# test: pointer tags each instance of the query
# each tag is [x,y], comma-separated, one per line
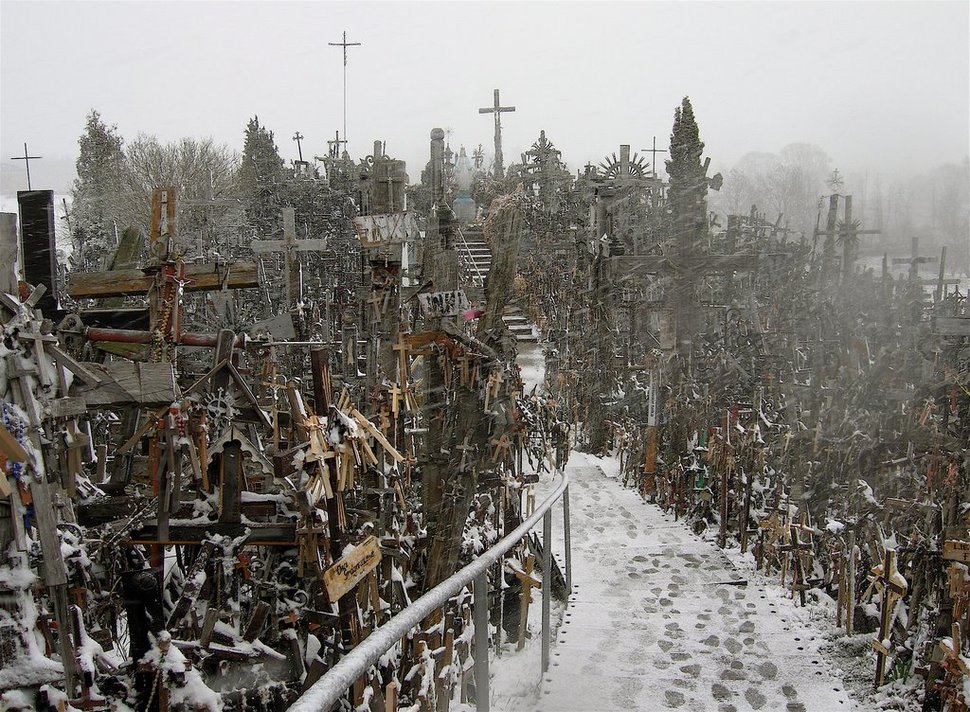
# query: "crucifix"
[334,145]
[653,155]
[497,109]
[299,137]
[344,44]
[26,158]
[290,246]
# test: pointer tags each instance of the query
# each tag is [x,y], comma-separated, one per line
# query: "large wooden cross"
[290,246]
[653,155]
[497,109]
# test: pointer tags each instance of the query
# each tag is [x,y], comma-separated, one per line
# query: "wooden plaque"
[348,571]
[957,551]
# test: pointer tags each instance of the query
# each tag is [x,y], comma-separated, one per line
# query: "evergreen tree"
[688,180]
[261,178]
[687,197]
[96,203]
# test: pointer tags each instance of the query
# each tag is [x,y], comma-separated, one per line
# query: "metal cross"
[497,109]
[345,44]
[26,159]
[299,137]
[653,155]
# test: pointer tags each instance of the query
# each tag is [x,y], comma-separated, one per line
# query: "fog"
[881,88]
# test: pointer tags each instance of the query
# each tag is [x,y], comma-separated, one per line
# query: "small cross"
[653,155]
[335,145]
[26,159]
[299,137]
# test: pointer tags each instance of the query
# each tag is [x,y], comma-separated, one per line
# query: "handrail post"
[546,584]
[481,642]
[567,542]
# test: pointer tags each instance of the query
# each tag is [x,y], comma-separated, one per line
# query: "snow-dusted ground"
[661,619]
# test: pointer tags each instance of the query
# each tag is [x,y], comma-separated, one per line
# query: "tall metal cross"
[26,158]
[345,44]
[497,109]
[299,137]
[653,155]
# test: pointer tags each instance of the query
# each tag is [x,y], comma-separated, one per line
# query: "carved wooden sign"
[957,551]
[443,303]
[348,571]
[381,230]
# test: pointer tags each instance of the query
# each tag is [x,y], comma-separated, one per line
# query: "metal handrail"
[468,252]
[326,691]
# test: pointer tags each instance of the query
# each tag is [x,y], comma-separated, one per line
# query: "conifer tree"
[688,179]
[261,178]
[96,204]
[687,197]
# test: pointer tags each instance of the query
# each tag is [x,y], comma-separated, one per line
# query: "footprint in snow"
[755,698]
[679,656]
[746,627]
[720,692]
[693,670]
[712,641]
[674,698]
[788,691]
[733,646]
[767,670]
[664,645]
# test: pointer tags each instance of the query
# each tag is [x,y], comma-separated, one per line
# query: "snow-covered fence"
[325,692]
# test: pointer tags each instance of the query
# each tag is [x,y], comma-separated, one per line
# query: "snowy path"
[660,619]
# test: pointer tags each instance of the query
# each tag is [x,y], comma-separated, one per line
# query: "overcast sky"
[878,85]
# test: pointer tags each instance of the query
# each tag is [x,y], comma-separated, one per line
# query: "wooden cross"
[26,158]
[290,246]
[653,155]
[335,144]
[893,586]
[497,109]
[524,572]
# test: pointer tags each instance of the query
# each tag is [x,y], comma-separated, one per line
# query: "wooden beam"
[130,282]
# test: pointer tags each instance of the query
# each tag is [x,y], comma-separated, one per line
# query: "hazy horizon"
[883,87]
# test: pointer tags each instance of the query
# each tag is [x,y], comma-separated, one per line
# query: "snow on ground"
[533,364]
[661,619]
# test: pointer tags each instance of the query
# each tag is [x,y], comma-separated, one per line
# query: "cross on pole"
[653,155]
[345,44]
[497,109]
[26,159]
[299,137]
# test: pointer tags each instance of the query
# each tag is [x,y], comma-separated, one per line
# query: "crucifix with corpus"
[290,247]
[498,110]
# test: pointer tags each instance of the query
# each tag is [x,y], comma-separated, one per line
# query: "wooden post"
[850,583]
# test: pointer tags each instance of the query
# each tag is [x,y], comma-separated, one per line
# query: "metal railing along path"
[326,691]
[472,258]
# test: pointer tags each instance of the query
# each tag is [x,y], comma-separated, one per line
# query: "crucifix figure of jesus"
[497,109]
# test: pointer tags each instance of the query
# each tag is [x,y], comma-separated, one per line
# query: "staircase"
[475,258]
[519,325]
[474,255]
